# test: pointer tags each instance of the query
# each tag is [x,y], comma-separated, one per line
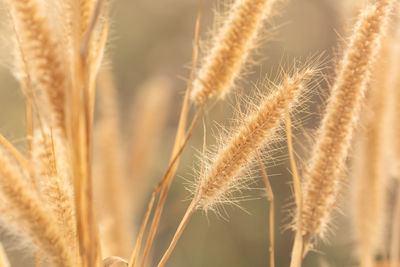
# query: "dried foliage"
[76,194]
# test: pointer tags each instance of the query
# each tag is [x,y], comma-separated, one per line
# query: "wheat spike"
[42,54]
[230,48]
[323,175]
[52,172]
[28,214]
[222,177]
[255,132]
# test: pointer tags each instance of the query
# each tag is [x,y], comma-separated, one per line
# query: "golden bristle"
[255,131]
[52,173]
[28,214]
[323,175]
[230,49]
[43,56]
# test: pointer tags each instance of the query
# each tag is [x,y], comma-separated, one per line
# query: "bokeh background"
[154,38]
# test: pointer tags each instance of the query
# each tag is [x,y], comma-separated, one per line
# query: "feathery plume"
[255,131]
[323,175]
[230,49]
[28,214]
[52,173]
[241,147]
[43,57]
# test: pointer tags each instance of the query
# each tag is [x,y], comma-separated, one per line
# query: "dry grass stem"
[270,196]
[3,258]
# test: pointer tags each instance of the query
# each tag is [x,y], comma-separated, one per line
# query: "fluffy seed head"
[323,175]
[256,130]
[230,49]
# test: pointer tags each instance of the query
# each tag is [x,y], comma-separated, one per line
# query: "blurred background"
[151,45]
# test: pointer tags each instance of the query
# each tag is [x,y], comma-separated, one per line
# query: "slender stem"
[297,252]
[178,146]
[295,173]
[3,258]
[394,245]
[270,195]
[24,163]
[135,253]
[178,233]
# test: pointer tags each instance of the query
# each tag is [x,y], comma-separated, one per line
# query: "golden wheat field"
[140,133]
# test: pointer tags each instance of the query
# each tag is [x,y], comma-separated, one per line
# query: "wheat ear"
[323,175]
[52,172]
[221,178]
[29,215]
[230,48]
[231,159]
[43,56]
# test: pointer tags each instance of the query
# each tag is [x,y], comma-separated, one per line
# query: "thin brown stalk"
[270,195]
[179,143]
[298,247]
[161,186]
[79,131]
[178,234]
[323,175]
[230,48]
[395,231]
[136,250]
[3,258]
[15,153]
